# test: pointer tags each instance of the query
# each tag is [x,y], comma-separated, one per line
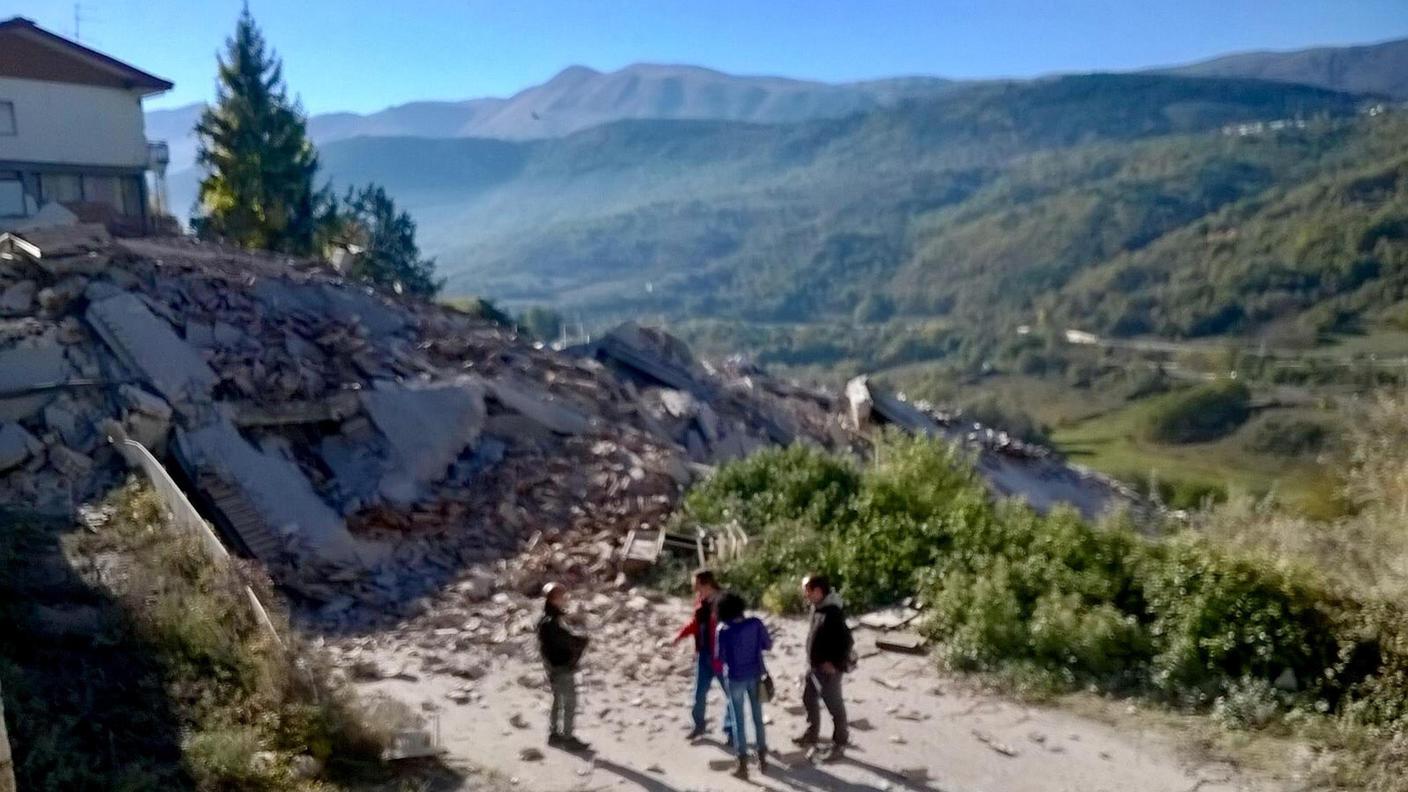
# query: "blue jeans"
[738,690]
[703,680]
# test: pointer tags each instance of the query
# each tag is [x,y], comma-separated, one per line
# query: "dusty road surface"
[912,728]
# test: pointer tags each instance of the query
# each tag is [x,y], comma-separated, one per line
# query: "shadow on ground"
[86,704]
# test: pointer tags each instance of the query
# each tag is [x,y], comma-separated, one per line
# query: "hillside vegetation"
[129,662]
[802,221]
[1264,624]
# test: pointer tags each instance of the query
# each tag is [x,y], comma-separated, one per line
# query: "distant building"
[71,130]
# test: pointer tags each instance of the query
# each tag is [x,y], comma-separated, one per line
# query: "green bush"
[1051,597]
[1199,414]
[1288,437]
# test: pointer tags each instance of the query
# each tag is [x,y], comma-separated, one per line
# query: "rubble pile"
[365,448]
[372,450]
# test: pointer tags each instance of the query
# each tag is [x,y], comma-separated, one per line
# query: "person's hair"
[705,577]
[731,607]
[552,590]
[821,582]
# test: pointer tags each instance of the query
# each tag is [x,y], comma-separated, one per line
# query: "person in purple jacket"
[742,639]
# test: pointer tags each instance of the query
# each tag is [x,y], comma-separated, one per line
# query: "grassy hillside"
[130,662]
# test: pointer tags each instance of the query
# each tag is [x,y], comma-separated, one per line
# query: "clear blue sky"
[363,55]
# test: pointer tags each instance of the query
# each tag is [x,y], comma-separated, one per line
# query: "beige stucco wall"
[73,124]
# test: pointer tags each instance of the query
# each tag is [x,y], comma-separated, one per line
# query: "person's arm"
[687,630]
[722,646]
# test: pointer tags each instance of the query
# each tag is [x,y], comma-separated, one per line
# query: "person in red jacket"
[703,627]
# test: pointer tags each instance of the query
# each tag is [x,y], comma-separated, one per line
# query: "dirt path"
[913,729]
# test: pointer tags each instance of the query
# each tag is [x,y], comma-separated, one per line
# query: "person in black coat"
[829,652]
[562,653]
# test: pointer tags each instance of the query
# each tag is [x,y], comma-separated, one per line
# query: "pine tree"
[387,238]
[258,191]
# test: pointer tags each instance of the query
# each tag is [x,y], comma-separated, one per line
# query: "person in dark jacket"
[829,646]
[741,643]
[702,627]
[562,653]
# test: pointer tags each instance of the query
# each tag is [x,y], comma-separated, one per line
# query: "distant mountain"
[578,98]
[971,205]
[1374,68]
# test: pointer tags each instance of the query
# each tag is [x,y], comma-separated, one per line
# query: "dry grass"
[1366,552]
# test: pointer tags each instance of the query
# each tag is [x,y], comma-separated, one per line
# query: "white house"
[71,129]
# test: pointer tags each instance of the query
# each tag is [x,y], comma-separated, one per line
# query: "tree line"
[260,190]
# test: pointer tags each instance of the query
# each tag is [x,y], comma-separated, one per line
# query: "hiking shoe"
[575,745]
[836,754]
[762,760]
[741,771]
[695,734]
[805,740]
[554,740]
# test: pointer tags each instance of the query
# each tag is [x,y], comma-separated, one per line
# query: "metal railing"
[182,514]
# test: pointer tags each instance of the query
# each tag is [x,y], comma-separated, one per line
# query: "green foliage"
[389,257]
[480,308]
[1053,598]
[180,690]
[258,188]
[542,323]
[1288,437]
[992,411]
[1199,414]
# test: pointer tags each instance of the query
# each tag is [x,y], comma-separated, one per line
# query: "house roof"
[32,52]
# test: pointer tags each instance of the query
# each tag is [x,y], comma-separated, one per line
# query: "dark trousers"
[561,718]
[818,687]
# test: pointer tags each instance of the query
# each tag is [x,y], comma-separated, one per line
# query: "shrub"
[1052,598]
[1013,420]
[1288,437]
[1199,414]
[1249,703]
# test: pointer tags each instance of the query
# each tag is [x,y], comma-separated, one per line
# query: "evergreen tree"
[258,191]
[387,239]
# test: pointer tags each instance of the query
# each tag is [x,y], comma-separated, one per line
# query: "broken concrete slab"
[18,299]
[903,642]
[336,407]
[30,376]
[656,357]
[889,408]
[16,445]
[150,347]
[539,406]
[427,426]
[275,488]
[62,250]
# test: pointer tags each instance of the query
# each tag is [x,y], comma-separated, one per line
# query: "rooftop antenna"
[77,21]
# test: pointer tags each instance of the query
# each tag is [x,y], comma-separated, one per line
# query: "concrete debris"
[276,489]
[18,298]
[907,643]
[16,446]
[539,408]
[392,461]
[427,427]
[149,347]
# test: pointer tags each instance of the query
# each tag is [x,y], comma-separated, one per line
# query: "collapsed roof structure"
[366,447]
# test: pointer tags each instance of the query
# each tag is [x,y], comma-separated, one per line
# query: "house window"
[102,189]
[12,203]
[7,119]
[62,187]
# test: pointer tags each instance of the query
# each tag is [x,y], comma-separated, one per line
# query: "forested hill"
[1094,197]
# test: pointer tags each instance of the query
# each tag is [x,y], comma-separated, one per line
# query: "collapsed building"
[368,448]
